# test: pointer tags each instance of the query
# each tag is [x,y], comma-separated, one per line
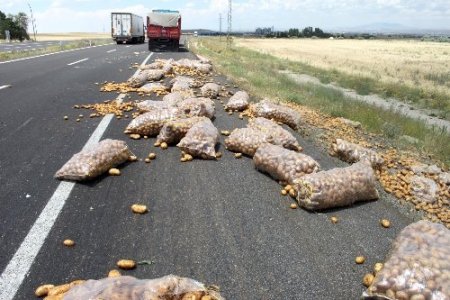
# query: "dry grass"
[422,68]
[70,36]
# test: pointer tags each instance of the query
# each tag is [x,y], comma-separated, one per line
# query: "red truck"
[164,28]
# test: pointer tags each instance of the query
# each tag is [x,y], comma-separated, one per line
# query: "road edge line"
[20,264]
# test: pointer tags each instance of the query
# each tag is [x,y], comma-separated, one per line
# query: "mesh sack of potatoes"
[148,105]
[280,135]
[283,164]
[238,102]
[173,131]
[169,287]
[336,187]
[203,60]
[153,75]
[181,78]
[173,98]
[200,140]
[152,66]
[152,87]
[203,67]
[138,80]
[278,113]
[210,90]
[247,140]
[94,161]
[200,107]
[151,122]
[418,266]
[351,153]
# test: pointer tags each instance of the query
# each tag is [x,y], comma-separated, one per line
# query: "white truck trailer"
[127,28]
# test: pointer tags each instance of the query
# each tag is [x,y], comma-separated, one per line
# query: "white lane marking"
[112,50]
[52,53]
[18,267]
[128,46]
[78,61]
[4,86]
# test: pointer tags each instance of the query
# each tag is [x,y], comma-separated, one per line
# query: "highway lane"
[33,134]
[220,222]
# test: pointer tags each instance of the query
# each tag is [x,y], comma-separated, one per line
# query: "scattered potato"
[126,264]
[80,116]
[139,208]
[368,279]
[114,172]
[292,193]
[377,267]
[152,155]
[69,243]
[132,158]
[78,120]
[183,159]
[114,273]
[360,260]
[157,144]
[66,118]
[294,205]
[59,289]
[135,136]
[164,145]
[147,160]
[225,132]
[385,223]
[284,192]
[288,187]
[218,154]
[43,290]
[334,219]
[238,155]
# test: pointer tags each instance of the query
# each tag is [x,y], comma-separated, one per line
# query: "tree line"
[17,25]
[293,32]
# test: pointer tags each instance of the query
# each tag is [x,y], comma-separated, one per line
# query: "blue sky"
[94,16]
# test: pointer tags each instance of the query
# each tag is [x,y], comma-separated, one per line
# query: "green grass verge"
[4,56]
[259,74]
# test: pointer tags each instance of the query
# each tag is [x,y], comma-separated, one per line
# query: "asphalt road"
[220,222]
[28,46]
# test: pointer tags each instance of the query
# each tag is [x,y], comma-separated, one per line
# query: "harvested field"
[412,70]
[71,36]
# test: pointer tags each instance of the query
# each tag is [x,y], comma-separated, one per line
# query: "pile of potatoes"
[238,102]
[336,187]
[247,140]
[283,164]
[418,267]
[95,161]
[173,131]
[169,287]
[210,90]
[351,153]
[201,107]
[200,140]
[278,113]
[280,135]
[150,123]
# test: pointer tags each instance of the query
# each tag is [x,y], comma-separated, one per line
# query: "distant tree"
[307,31]
[16,24]
[294,32]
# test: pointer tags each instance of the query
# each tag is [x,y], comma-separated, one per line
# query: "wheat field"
[70,36]
[414,63]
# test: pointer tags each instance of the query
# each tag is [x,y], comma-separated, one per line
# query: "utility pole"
[220,24]
[229,38]
[33,22]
